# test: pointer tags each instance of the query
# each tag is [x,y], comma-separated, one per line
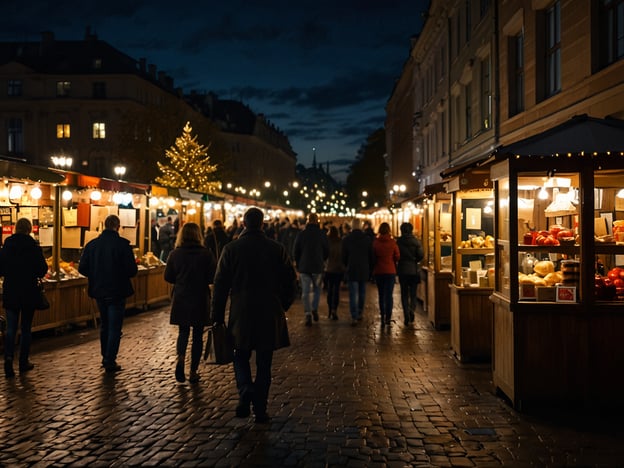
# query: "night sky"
[320,71]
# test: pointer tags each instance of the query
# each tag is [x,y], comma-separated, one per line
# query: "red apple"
[618,283]
[614,273]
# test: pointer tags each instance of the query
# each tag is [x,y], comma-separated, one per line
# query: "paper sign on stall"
[70,238]
[129,233]
[127,217]
[70,217]
[89,236]
[29,213]
[473,218]
[45,236]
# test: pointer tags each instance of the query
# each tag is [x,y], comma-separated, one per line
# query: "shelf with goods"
[438,254]
[558,317]
[473,263]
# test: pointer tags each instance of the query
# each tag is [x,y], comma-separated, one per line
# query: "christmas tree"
[190,165]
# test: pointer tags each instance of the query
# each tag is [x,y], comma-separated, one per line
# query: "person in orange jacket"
[386,255]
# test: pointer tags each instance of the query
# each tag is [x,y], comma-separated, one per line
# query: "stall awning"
[580,134]
[22,171]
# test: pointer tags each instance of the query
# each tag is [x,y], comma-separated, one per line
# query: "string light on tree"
[190,165]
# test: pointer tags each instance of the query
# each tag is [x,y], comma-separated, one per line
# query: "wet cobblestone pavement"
[342,395]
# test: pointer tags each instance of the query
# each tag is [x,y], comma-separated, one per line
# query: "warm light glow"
[96,195]
[620,194]
[120,171]
[15,192]
[35,193]
[61,161]
[117,198]
[542,194]
[66,195]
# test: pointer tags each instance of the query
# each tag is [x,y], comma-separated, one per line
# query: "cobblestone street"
[342,395]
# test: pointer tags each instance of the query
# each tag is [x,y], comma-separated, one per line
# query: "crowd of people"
[257,267]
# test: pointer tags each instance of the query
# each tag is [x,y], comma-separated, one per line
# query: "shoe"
[315,315]
[334,315]
[262,418]
[8,368]
[242,410]
[179,369]
[194,377]
[388,322]
[27,366]
[114,367]
[308,321]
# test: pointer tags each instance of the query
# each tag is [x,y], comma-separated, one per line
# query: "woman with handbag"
[190,268]
[22,264]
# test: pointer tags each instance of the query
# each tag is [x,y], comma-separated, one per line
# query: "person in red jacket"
[386,255]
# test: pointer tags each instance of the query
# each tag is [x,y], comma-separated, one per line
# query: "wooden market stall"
[437,246]
[558,320]
[473,260]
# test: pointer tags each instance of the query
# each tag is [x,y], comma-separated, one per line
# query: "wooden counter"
[471,323]
[438,303]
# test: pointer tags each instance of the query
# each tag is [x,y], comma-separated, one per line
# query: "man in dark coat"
[216,238]
[258,276]
[109,264]
[21,263]
[166,239]
[408,269]
[357,255]
[311,249]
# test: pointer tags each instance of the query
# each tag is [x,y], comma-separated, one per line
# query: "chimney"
[152,70]
[142,64]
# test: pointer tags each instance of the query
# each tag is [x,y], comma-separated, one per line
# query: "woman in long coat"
[21,263]
[190,268]
[386,254]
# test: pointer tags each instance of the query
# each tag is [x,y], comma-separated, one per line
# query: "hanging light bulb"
[15,192]
[117,198]
[620,194]
[35,193]
[542,194]
[96,195]
[67,195]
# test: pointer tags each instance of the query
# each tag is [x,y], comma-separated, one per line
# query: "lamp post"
[62,162]
[120,171]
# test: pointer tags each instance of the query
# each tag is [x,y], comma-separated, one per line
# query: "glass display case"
[558,296]
[437,242]
[473,264]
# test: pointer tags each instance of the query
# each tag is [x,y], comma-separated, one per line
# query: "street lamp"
[62,162]
[120,171]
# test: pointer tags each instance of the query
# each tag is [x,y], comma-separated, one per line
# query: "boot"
[8,368]
[179,369]
[194,376]
[333,314]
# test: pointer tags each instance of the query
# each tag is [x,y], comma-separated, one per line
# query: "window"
[553,50]
[516,74]
[611,30]
[62,130]
[14,88]
[97,63]
[99,90]
[468,111]
[483,7]
[63,88]
[15,136]
[99,130]
[486,98]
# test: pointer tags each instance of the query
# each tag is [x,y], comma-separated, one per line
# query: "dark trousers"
[196,347]
[409,285]
[13,319]
[249,390]
[112,312]
[385,287]
[333,289]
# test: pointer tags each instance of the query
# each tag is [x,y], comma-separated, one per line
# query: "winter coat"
[311,249]
[357,255]
[258,276]
[21,263]
[216,240]
[411,252]
[386,254]
[109,264]
[166,236]
[334,261]
[191,269]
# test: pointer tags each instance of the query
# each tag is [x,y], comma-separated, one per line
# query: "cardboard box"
[566,293]
[527,292]
[546,293]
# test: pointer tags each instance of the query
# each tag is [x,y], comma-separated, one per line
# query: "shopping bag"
[219,346]
[41,301]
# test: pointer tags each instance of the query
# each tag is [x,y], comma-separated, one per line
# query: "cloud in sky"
[322,71]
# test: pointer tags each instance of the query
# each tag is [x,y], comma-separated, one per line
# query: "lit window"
[62,130]
[15,140]
[63,88]
[486,99]
[99,130]
[97,63]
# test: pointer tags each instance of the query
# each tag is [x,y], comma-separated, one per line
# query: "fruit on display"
[149,259]
[477,242]
[543,267]
[546,238]
[604,289]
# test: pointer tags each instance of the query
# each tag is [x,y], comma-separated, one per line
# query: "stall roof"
[22,171]
[579,134]
[454,170]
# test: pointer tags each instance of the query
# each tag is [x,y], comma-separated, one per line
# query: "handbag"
[219,345]
[41,301]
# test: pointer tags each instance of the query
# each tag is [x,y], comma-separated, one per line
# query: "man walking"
[166,239]
[357,255]
[311,249]
[108,263]
[257,275]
